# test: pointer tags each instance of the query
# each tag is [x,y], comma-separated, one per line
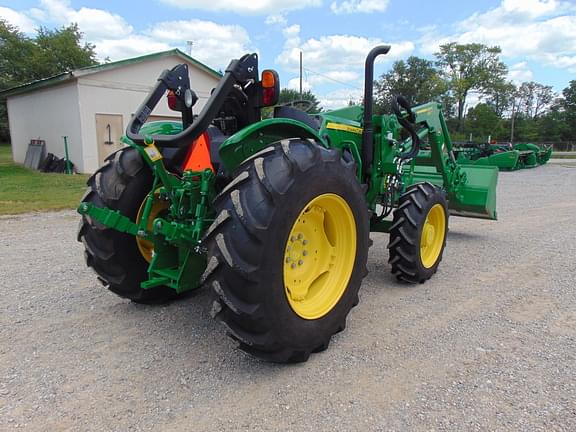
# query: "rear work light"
[270,87]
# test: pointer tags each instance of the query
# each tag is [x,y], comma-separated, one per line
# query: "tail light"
[270,87]
[172,101]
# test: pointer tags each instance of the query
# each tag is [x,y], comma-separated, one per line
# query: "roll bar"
[177,80]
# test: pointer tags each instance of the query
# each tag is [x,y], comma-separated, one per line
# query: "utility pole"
[189,45]
[300,74]
[512,122]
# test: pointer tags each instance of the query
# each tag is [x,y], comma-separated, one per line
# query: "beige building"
[92,106]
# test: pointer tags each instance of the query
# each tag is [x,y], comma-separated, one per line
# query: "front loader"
[274,215]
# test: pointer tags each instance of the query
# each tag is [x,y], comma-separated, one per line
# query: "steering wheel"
[301,104]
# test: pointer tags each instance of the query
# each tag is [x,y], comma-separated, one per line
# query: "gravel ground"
[487,344]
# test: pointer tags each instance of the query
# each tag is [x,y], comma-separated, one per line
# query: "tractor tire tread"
[235,243]
[405,232]
[113,255]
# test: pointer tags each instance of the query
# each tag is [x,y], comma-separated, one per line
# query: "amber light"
[268,79]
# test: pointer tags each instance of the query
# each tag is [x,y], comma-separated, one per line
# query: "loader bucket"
[477,197]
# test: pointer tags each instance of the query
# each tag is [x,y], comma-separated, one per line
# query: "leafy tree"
[569,106]
[15,51]
[24,59]
[62,50]
[290,95]
[534,98]
[482,121]
[552,125]
[470,67]
[500,96]
[416,79]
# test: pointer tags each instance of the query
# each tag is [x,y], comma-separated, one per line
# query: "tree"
[482,121]
[569,106]
[62,50]
[500,96]
[416,79]
[24,59]
[535,98]
[470,67]
[290,95]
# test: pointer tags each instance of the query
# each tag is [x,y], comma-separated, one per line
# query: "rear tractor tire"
[418,233]
[288,250]
[120,260]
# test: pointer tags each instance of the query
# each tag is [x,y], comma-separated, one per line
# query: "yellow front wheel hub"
[319,256]
[433,234]
[146,247]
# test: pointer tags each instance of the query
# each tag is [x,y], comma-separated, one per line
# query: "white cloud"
[362,6]
[130,46]
[94,23]
[213,43]
[115,39]
[540,30]
[340,98]
[292,36]
[276,19]
[294,84]
[336,52]
[520,73]
[18,19]
[311,80]
[254,7]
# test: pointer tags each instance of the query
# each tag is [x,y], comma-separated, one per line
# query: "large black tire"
[246,246]
[406,233]
[121,184]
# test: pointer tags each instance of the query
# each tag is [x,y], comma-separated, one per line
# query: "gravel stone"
[489,343]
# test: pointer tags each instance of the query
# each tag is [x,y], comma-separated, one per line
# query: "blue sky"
[537,37]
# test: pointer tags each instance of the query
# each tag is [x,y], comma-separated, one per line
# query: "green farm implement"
[506,158]
[274,215]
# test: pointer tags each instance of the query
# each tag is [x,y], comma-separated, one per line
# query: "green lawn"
[23,190]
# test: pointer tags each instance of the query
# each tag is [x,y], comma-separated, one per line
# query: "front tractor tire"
[288,250]
[418,233]
[122,184]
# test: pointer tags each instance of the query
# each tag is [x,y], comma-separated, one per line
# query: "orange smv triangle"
[198,157]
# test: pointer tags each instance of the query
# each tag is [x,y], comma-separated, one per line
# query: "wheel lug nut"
[300,262]
[293,265]
[304,253]
[305,242]
[292,238]
[288,259]
[300,236]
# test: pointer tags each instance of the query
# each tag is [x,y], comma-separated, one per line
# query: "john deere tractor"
[274,215]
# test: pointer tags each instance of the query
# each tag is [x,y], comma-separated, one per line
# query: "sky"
[537,37]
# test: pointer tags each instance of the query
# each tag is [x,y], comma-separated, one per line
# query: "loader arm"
[471,189]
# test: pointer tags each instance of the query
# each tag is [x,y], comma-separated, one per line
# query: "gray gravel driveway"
[488,344]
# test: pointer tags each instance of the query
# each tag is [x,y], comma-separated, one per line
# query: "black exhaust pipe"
[368,134]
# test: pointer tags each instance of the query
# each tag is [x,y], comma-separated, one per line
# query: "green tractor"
[274,215]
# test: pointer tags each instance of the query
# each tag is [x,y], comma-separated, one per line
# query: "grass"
[23,190]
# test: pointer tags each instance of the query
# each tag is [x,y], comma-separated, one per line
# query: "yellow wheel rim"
[146,247]
[319,256]
[433,233]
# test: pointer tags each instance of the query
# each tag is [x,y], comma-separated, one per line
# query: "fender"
[258,136]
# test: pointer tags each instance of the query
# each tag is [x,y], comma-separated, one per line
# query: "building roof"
[71,75]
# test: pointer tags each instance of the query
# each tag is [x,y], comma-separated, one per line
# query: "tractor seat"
[296,114]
